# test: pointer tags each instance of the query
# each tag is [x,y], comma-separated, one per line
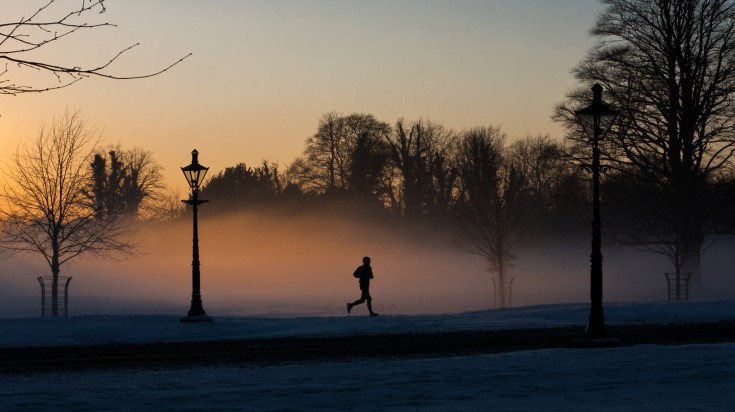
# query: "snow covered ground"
[646,378]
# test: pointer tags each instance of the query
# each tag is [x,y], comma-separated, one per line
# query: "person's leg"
[357,302]
[369,300]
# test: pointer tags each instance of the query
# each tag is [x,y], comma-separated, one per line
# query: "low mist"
[260,264]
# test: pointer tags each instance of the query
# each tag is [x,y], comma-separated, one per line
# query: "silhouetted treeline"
[416,172]
[241,186]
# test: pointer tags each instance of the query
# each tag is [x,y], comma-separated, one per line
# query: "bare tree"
[490,212]
[169,206]
[324,167]
[554,184]
[669,67]
[45,208]
[541,161]
[420,152]
[327,163]
[21,42]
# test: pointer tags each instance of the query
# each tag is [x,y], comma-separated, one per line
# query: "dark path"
[254,352]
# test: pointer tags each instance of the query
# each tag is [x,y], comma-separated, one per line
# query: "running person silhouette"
[364,273]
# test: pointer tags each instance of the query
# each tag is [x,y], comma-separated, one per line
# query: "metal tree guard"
[506,289]
[678,285]
[47,297]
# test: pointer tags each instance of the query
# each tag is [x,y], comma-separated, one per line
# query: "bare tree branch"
[41,31]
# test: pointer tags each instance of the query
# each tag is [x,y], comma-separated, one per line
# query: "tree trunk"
[55,269]
[693,265]
[55,288]
[501,286]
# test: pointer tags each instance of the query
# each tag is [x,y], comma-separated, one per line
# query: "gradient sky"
[263,72]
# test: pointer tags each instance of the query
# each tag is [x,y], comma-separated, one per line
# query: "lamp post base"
[196,318]
[595,336]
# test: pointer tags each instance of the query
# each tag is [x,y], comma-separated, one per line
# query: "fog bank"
[295,265]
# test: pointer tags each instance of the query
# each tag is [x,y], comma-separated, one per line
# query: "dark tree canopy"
[128,182]
[367,164]
[421,153]
[328,165]
[242,187]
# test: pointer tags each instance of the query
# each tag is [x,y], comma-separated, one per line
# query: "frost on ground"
[647,377]
[650,378]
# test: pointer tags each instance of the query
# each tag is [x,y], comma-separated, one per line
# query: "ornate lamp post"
[194,174]
[596,120]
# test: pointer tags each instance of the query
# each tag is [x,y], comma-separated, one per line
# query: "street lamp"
[194,174]
[596,120]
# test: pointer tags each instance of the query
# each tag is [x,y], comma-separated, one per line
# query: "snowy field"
[642,378]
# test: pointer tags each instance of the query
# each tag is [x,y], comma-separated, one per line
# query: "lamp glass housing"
[194,173]
[597,116]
